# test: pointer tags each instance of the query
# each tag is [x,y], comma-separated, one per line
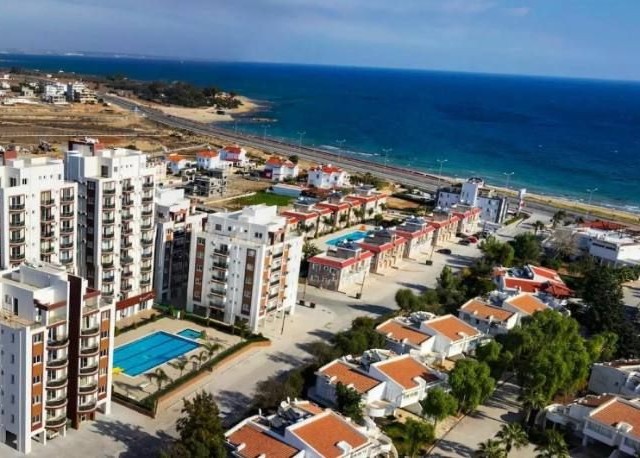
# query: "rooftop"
[327,433]
[527,303]
[397,331]
[404,370]
[254,442]
[617,412]
[452,327]
[349,375]
[485,311]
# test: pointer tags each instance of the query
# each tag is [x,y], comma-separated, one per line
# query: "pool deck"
[139,387]
[321,242]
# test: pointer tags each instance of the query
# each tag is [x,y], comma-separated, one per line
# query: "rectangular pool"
[190,334]
[141,355]
[356,236]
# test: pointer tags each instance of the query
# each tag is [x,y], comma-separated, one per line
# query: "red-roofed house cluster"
[301,429]
[278,168]
[385,381]
[327,176]
[531,279]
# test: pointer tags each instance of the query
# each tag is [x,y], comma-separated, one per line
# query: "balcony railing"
[147,184]
[57,402]
[57,363]
[16,256]
[66,244]
[107,249]
[147,242]
[147,255]
[17,240]
[221,252]
[127,230]
[58,342]
[88,389]
[47,202]
[128,188]
[127,274]
[109,221]
[147,212]
[57,422]
[89,370]
[16,222]
[144,268]
[107,264]
[66,229]
[88,407]
[58,382]
[66,198]
[66,214]
[47,249]
[126,287]
[108,235]
[48,217]
[127,203]
[144,282]
[108,279]
[92,331]
[109,205]
[127,217]
[66,260]
[47,234]
[146,227]
[16,207]
[110,191]
[89,351]
[147,199]
[126,260]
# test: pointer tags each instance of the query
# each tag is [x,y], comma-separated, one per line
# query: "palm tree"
[199,358]
[180,364]
[242,328]
[211,348]
[558,217]
[532,400]
[554,446]
[537,226]
[161,377]
[512,435]
[490,448]
[370,212]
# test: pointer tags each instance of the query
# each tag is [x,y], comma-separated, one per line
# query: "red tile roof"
[527,303]
[384,247]
[616,412]
[526,286]
[452,327]
[278,161]
[404,370]
[325,431]
[207,154]
[326,169]
[259,443]
[485,311]
[347,375]
[547,273]
[338,263]
[233,149]
[399,332]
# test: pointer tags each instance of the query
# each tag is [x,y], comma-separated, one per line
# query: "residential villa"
[418,233]
[616,377]
[278,169]
[606,420]
[444,336]
[469,218]
[445,226]
[327,177]
[385,381]
[340,209]
[388,249]
[210,160]
[176,163]
[368,201]
[531,279]
[235,155]
[524,304]
[488,318]
[473,192]
[341,268]
[301,429]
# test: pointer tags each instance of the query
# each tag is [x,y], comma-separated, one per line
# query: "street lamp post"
[264,131]
[301,134]
[386,152]
[441,162]
[508,175]
[590,191]
[340,145]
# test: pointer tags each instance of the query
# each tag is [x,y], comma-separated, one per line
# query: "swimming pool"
[141,355]
[190,334]
[356,236]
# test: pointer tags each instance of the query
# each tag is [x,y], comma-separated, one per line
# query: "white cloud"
[519,11]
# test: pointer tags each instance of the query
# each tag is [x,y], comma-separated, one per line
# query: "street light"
[590,191]
[441,162]
[300,140]
[340,145]
[508,175]
[386,152]
[264,131]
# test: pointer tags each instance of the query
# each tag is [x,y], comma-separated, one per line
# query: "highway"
[406,177]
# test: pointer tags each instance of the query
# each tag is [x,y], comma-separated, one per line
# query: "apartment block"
[116,223]
[56,353]
[245,266]
[176,222]
[37,212]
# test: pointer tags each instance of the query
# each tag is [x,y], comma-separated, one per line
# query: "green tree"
[554,446]
[492,355]
[532,401]
[211,348]
[309,250]
[199,358]
[496,253]
[180,364]
[417,434]
[476,279]
[200,430]
[512,435]
[294,158]
[558,217]
[361,337]
[349,402]
[471,383]
[272,391]
[538,226]
[490,448]
[450,291]
[526,248]
[438,405]
[409,302]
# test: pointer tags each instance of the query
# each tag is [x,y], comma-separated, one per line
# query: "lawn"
[260,197]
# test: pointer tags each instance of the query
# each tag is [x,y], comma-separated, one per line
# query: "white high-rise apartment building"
[245,265]
[176,222]
[37,212]
[56,352]
[116,223]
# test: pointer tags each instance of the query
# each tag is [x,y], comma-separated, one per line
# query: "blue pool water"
[139,356]
[190,334]
[350,237]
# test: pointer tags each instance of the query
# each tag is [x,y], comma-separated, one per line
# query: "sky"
[583,38]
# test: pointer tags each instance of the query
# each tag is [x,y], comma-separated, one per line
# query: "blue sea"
[558,136]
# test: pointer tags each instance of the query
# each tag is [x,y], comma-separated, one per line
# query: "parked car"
[444,251]
[472,239]
[464,242]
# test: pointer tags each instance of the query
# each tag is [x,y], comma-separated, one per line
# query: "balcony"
[274,282]
[125,261]
[58,342]
[59,382]
[66,261]
[127,216]
[146,268]
[16,222]
[57,363]
[108,279]
[127,274]
[107,249]
[109,205]
[126,287]
[108,235]
[68,244]
[47,217]
[109,191]
[107,264]
[109,221]
[90,332]
[87,407]
[147,212]
[89,388]
[145,282]
[47,234]
[219,280]
[147,184]
[46,250]
[146,227]
[66,198]
[106,295]
[220,265]
[147,199]
[16,240]
[57,422]
[127,230]
[147,242]
[47,202]
[16,207]
[89,351]
[66,229]
[56,403]
[127,203]
[128,188]
[221,252]
[89,370]
[273,295]
[67,214]
[16,256]
[147,255]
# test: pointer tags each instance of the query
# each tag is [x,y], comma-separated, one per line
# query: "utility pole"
[590,191]
[300,140]
[441,162]
[386,152]
[264,131]
[508,175]
[340,145]
[284,317]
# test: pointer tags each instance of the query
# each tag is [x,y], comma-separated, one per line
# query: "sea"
[552,136]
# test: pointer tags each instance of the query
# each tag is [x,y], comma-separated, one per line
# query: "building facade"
[327,177]
[37,212]
[341,269]
[116,222]
[56,340]
[176,222]
[474,193]
[245,266]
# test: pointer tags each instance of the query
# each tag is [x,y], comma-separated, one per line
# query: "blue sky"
[588,38]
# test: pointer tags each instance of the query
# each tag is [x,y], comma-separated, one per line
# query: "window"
[36,379]
[35,419]
[13,379]
[104,352]
[218,227]
[36,399]
[258,235]
[103,371]
[37,359]
[104,334]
